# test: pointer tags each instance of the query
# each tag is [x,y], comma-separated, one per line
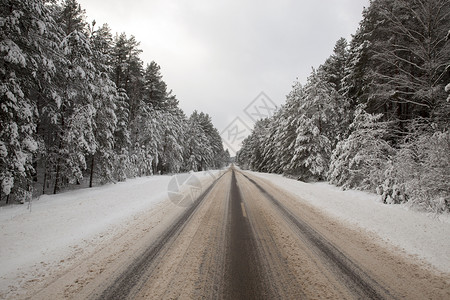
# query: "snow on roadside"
[58,226]
[417,233]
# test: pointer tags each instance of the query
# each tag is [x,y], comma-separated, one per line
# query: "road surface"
[243,238]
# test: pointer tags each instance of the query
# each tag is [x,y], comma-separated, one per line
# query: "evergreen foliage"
[78,103]
[375,115]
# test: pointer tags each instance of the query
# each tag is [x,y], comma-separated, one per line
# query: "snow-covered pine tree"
[315,128]
[271,155]
[360,160]
[148,140]
[171,147]
[214,158]
[252,151]
[154,86]
[288,126]
[333,71]
[198,152]
[419,172]
[105,98]
[75,138]
[172,121]
[334,67]
[143,128]
[358,72]
[27,41]
[128,71]
[226,157]
[56,78]
[243,155]
[122,141]
[312,151]
[399,57]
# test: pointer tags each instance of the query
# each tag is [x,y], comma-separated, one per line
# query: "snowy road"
[244,238]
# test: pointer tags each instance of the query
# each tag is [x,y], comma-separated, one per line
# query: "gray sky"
[217,56]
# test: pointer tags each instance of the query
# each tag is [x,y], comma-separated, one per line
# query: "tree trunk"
[60,146]
[45,179]
[58,168]
[56,187]
[92,171]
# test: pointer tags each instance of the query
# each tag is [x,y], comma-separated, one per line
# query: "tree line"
[78,102]
[375,115]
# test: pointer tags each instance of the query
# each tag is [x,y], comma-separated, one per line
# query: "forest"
[79,105]
[375,115]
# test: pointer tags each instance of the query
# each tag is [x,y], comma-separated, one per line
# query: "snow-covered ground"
[423,235]
[63,225]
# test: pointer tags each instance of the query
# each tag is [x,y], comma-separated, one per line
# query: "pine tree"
[27,34]
[418,172]
[251,154]
[128,71]
[75,138]
[105,98]
[214,142]
[287,131]
[357,74]
[335,66]
[145,152]
[411,67]
[390,85]
[398,58]
[122,141]
[155,88]
[271,162]
[360,160]
[76,102]
[198,151]
[171,147]
[316,128]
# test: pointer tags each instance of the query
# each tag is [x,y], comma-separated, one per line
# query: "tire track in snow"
[134,277]
[357,280]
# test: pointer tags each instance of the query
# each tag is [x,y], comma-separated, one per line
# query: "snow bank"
[58,225]
[424,235]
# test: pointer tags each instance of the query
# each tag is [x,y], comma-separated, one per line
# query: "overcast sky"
[217,56]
